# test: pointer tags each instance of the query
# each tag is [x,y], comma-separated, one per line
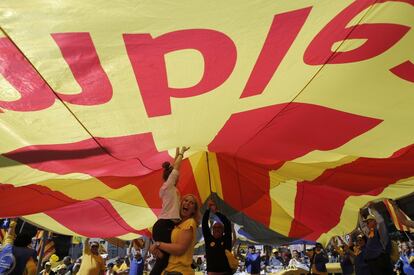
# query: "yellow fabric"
[91,264]
[121,269]
[233,261]
[183,263]
[362,86]
[10,235]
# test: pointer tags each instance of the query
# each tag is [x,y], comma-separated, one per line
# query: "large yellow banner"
[289,107]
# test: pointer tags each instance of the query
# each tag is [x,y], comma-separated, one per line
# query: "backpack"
[7,260]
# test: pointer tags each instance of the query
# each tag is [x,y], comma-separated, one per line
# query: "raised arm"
[130,249]
[227,230]
[179,157]
[86,247]
[11,233]
[234,235]
[204,225]
[382,227]
[146,248]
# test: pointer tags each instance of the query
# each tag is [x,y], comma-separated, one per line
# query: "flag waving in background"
[392,210]
[297,112]
[49,245]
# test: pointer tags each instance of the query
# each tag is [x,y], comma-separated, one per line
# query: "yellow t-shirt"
[122,269]
[183,263]
[91,264]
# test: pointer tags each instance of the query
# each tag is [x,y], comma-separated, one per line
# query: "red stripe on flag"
[245,187]
[41,199]
[125,156]
[97,218]
[187,183]
[323,198]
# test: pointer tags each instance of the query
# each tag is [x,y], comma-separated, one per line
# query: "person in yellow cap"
[378,245]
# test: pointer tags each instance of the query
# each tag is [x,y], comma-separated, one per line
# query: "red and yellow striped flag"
[49,246]
[49,250]
[393,213]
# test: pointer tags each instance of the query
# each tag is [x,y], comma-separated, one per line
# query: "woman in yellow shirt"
[183,239]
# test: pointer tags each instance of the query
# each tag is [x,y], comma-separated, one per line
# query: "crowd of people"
[174,237]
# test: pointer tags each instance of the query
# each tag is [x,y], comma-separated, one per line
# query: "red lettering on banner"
[35,95]
[379,37]
[404,71]
[283,31]
[80,54]
[147,58]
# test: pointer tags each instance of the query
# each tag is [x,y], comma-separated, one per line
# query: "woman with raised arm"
[170,213]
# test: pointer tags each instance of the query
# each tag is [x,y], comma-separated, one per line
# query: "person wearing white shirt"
[170,213]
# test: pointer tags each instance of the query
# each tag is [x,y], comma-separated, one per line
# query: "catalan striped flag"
[393,213]
[49,246]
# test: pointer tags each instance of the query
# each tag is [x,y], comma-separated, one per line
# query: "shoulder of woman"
[189,223]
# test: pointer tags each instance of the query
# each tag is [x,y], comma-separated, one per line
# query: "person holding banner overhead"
[170,213]
[378,244]
[92,262]
[16,258]
[217,240]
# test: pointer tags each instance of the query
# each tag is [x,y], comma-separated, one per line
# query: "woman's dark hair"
[23,240]
[167,170]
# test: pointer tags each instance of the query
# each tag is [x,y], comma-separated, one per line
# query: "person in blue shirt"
[404,262]
[137,260]
[276,260]
[137,264]
[253,261]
